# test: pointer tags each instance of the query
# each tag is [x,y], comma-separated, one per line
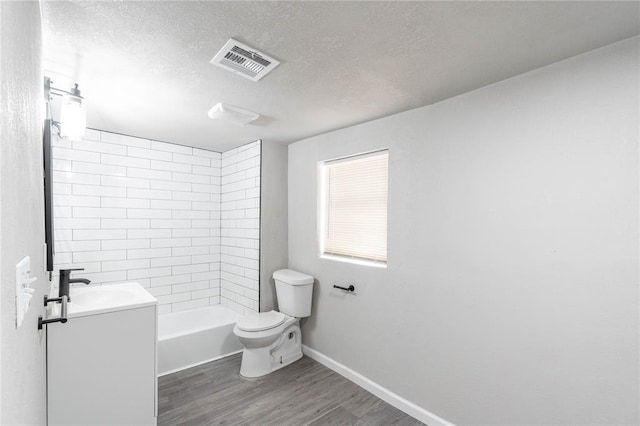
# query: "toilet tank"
[294,291]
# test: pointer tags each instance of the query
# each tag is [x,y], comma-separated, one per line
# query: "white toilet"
[273,339]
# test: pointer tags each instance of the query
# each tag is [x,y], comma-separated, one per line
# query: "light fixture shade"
[73,117]
[232,114]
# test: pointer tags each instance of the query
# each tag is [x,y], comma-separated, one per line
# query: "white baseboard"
[383,393]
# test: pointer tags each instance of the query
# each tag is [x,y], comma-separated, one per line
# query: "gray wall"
[273,220]
[511,293]
[22,210]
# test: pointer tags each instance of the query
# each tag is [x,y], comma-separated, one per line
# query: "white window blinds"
[355,198]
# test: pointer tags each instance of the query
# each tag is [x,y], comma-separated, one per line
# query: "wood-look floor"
[303,393]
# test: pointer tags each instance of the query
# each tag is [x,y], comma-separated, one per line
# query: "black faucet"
[65,280]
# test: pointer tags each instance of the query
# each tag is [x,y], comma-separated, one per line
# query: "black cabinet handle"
[63,311]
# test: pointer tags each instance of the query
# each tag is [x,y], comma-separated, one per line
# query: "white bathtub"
[193,337]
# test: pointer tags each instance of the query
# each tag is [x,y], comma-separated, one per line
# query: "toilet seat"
[261,321]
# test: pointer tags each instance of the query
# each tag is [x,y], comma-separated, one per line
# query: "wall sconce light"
[73,115]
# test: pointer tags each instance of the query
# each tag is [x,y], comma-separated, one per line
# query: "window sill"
[353,260]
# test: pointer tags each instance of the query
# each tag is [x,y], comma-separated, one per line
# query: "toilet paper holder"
[350,288]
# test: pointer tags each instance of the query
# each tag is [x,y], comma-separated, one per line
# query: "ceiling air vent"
[244,60]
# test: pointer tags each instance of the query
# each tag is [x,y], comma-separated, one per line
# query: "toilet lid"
[261,321]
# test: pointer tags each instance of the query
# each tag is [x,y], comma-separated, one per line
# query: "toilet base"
[258,362]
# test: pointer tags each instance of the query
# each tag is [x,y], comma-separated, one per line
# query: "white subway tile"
[170,223]
[170,279]
[125,203]
[117,160]
[125,140]
[77,246]
[92,135]
[252,254]
[171,242]
[197,205]
[201,258]
[106,148]
[151,213]
[232,214]
[191,196]
[99,234]
[252,213]
[102,191]
[234,196]
[181,288]
[190,159]
[170,186]
[101,169]
[124,223]
[125,265]
[105,277]
[170,166]
[187,269]
[170,147]
[170,261]
[202,294]
[189,232]
[62,235]
[205,276]
[247,164]
[97,256]
[204,241]
[190,304]
[87,266]
[61,211]
[174,205]
[70,223]
[62,165]
[248,204]
[148,273]
[61,143]
[148,154]
[65,258]
[209,171]
[73,155]
[188,177]
[148,253]
[99,212]
[71,177]
[189,214]
[205,153]
[198,187]
[149,233]
[160,291]
[172,298]
[207,223]
[184,251]
[153,194]
[253,193]
[126,182]
[125,244]
[62,189]
[148,174]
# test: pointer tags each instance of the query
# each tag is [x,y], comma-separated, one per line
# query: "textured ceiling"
[144,66]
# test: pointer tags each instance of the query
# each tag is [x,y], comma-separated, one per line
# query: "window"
[353,208]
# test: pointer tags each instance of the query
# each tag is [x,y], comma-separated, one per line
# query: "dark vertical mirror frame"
[48,192]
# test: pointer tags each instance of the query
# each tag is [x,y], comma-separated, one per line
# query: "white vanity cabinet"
[101,364]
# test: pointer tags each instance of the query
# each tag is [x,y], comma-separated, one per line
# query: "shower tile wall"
[240,228]
[131,209]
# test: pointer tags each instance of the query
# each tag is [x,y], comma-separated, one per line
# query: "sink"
[99,299]
[103,296]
